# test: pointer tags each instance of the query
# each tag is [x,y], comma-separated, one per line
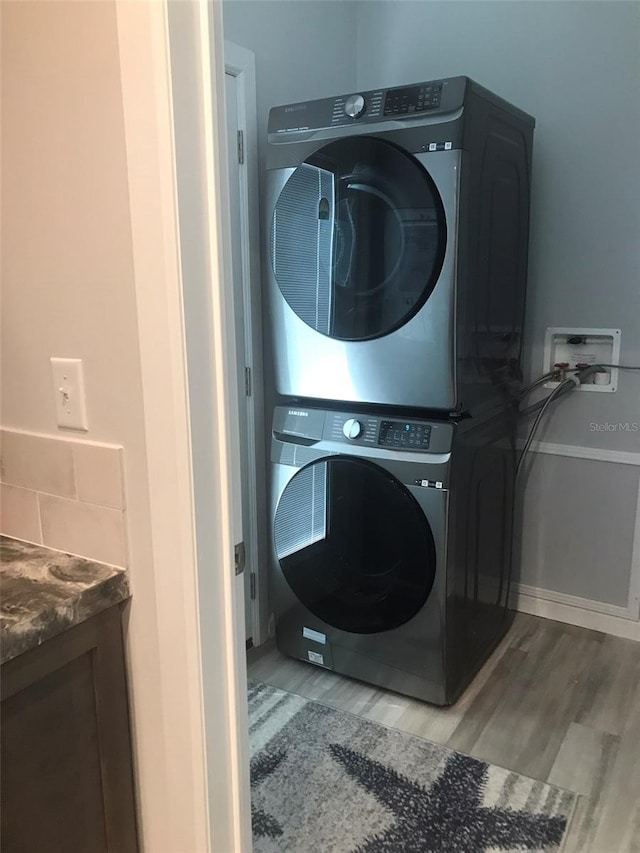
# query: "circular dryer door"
[354,545]
[357,238]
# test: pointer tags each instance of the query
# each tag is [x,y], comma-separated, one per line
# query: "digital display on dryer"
[404,434]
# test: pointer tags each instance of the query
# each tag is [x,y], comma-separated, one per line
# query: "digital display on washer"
[404,434]
[413,99]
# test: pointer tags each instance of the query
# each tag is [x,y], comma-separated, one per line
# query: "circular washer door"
[357,238]
[354,545]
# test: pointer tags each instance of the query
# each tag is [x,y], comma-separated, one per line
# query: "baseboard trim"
[597,454]
[597,616]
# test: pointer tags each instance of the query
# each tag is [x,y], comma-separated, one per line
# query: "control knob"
[355,106]
[352,428]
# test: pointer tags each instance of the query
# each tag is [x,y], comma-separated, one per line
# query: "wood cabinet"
[66,778]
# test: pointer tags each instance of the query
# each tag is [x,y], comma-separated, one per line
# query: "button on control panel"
[414,99]
[406,434]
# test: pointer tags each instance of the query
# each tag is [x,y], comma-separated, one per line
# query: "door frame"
[240,63]
[181,251]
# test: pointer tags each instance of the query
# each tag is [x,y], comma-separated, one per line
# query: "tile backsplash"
[65,494]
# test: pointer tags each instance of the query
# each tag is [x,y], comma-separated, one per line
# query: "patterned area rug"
[325,781]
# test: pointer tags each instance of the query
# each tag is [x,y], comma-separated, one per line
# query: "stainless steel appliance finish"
[397,233]
[391,544]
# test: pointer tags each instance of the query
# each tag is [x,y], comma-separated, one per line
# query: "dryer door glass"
[357,238]
[354,545]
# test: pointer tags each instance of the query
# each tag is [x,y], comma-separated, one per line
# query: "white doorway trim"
[240,63]
[192,746]
[197,77]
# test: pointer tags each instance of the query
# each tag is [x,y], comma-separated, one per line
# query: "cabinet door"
[66,754]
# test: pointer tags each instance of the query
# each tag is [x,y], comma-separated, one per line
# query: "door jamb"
[199,728]
[240,63]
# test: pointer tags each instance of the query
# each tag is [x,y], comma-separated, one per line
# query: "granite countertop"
[44,592]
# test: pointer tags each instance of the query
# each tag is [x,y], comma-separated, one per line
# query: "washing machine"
[397,233]
[391,544]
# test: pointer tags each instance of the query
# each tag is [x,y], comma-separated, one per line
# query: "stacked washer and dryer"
[397,238]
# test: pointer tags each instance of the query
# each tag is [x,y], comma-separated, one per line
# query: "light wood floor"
[555,702]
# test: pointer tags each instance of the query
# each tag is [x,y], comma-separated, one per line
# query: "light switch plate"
[68,390]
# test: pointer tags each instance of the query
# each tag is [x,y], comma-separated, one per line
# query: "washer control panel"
[387,433]
[413,99]
[409,435]
[310,426]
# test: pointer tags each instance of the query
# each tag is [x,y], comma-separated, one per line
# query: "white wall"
[66,262]
[69,289]
[67,273]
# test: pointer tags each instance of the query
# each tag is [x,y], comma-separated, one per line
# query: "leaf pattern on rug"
[262,767]
[449,816]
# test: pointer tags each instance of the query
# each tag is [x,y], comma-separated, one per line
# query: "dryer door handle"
[289,438]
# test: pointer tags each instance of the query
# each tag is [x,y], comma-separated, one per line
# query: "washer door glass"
[357,238]
[354,546]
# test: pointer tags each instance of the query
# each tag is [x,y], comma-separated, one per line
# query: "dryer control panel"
[310,426]
[401,102]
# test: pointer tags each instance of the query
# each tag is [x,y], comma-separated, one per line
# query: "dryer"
[391,544]
[397,234]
